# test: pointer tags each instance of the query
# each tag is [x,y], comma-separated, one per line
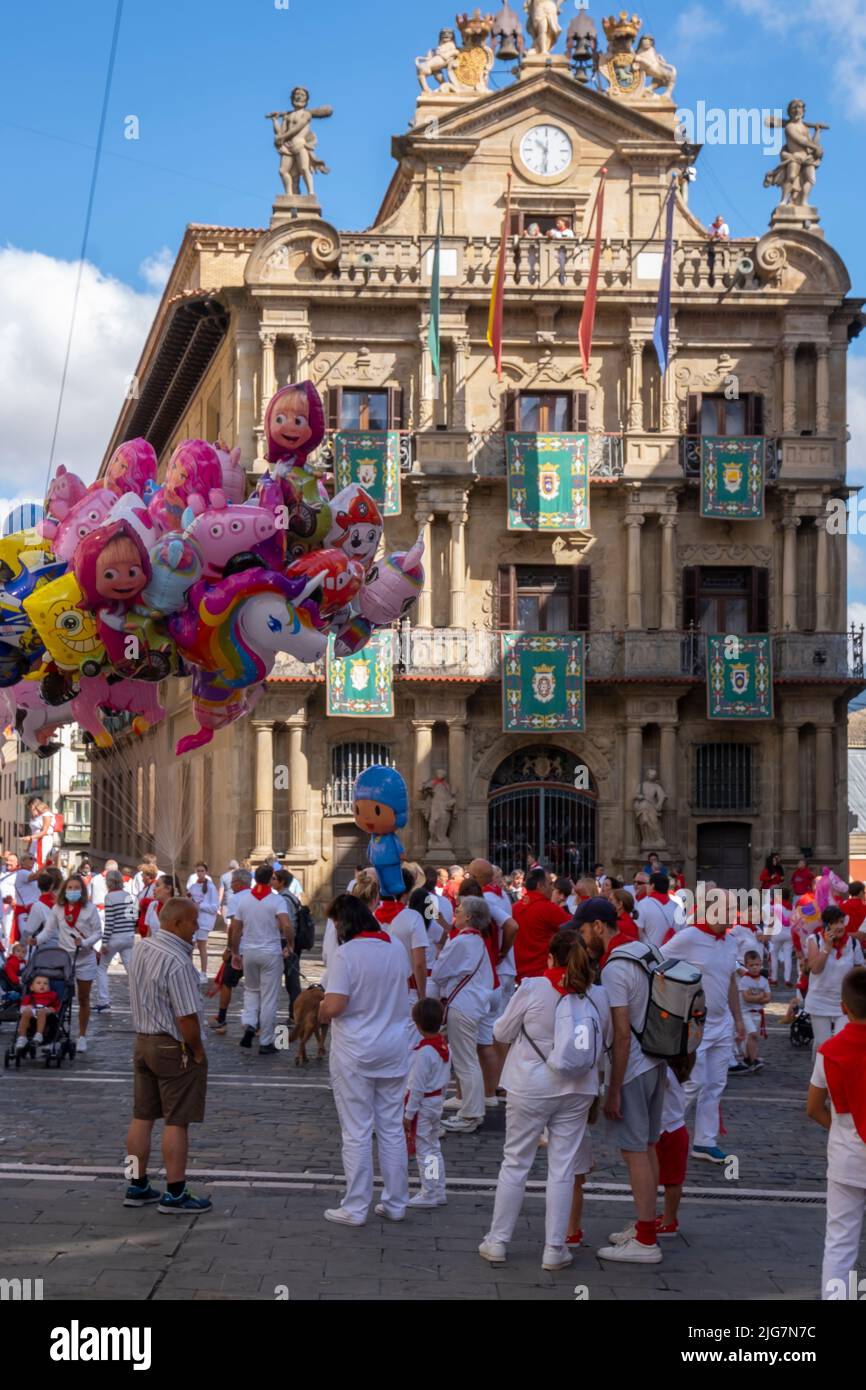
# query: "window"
[544,598]
[546,412]
[715,414]
[347,761]
[723,777]
[544,221]
[356,408]
[718,599]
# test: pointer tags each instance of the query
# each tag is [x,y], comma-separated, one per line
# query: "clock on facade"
[545,149]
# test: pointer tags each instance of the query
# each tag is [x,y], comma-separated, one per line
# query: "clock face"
[545,149]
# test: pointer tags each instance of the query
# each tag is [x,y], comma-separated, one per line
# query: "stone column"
[264,732]
[269,375]
[247,368]
[822,389]
[823,595]
[790,791]
[457,777]
[633,759]
[461,346]
[825,778]
[670,420]
[668,523]
[299,783]
[424,610]
[635,384]
[423,772]
[789,388]
[634,583]
[429,385]
[303,341]
[668,764]
[789,572]
[457,567]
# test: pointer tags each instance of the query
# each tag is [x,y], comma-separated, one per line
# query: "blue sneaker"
[710,1153]
[186,1204]
[141,1196]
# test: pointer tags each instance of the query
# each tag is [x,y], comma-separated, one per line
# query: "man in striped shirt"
[169,1062]
[118,933]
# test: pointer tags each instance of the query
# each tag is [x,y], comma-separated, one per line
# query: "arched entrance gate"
[535,811]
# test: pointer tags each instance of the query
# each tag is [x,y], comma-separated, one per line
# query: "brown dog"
[305,1016]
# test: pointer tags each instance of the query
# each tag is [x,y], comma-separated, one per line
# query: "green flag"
[433,330]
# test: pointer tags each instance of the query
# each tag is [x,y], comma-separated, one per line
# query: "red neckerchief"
[845,1067]
[709,931]
[259,890]
[618,940]
[437,1042]
[840,947]
[70,912]
[372,936]
[659,897]
[493,888]
[627,927]
[47,898]
[388,910]
[556,975]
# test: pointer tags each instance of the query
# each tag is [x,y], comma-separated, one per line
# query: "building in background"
[857,794]
[760,327]
[63,783]
[9,829]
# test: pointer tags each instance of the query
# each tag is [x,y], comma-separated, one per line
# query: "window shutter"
[507,597]
[333,407]
[580,411]
[395,407]
[691,580]
[755,415]
[693,425]
[580,609]
[509,411]
[759,605]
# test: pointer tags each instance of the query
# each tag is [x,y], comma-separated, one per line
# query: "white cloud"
[694,27]
[834,31]
[857,614]
[856,452]
[155,270]
[36,295]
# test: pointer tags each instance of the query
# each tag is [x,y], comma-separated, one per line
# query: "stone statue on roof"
[295,142]
[542,23]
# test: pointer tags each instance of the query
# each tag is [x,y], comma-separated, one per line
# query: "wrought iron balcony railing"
[690,454]
[606,454]
[325,456]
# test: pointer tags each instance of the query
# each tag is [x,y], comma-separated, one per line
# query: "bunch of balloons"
[129,581]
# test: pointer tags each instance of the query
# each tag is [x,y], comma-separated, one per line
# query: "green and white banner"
[363,683]
[739,677]
[543,682]
[370,458]
[732,477]
[548,482]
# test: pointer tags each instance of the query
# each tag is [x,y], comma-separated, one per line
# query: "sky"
[193,80]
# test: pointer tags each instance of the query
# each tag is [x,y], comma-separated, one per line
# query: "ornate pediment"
[793,261]
[704,554]
[292,254]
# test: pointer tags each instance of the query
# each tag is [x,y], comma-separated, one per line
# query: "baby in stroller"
[10,974]
[41,1001]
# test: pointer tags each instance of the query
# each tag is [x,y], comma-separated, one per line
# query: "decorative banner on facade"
[362,684]
[542,682]
[548,482]
[732,477]
[739,678]
[370,458]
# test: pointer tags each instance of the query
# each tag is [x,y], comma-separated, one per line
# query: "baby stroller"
[10,998]
[59,966]
[801,1028]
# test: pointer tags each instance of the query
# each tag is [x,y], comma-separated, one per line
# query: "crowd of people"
[533,991]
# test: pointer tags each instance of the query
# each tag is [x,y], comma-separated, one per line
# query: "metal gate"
[535,812]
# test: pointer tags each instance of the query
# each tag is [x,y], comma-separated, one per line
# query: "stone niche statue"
[295,142]
[438,807]
[648,811]
[800,155]
[542,23]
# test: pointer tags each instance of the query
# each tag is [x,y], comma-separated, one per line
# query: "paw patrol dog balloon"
[356,524]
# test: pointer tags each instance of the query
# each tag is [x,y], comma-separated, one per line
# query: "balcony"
[325,456]
[690,457]
[819,655]
[606,454]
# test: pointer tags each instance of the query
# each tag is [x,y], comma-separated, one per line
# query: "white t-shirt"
[228,895]
[674,1104]
[465,955]
[370,1036]
[656,919]
[531,1013]
[824,996]
[435,933]
[500,911]
[846,1152]
[716,958]
[98,890]
[151,919]
[330,946]
[25,892]
[626,984]
[408,928]
[751,982]
[261,931]
[446,908]
[744,940]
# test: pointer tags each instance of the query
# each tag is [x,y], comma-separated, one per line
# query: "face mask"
[73,895]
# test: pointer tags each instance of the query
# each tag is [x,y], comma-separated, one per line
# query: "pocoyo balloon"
[381,808]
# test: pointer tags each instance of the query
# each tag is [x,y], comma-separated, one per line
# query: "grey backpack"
[676,1011]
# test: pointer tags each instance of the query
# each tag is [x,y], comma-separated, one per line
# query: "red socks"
[646,1232]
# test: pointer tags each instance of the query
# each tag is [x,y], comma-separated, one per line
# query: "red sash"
[259,890]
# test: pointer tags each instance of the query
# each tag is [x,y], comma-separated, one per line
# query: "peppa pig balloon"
[84,517]
[222,532]
[65,490]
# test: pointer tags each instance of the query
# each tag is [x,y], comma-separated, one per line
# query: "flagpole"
[587,317]
[433,342]
[662,325]
[494,321]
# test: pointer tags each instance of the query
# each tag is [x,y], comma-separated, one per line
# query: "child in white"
[429,1074]
[204,894]
[754,998]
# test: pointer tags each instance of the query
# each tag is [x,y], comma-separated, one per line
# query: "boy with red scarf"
[429,1074]
[839,1078]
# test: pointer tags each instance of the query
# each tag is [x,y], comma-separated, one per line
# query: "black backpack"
[305,927]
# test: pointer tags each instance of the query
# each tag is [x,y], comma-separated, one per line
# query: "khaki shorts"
[164,1088]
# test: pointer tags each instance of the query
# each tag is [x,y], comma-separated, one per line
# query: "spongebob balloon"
[68,631]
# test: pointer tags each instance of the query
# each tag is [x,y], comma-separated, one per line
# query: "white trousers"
[368,1105]
[823,1027]
[845,1206]
[463,1042]
[120,945]
[525,1119]
[706,1085]
[428,1150]
[781,958]
[263,971]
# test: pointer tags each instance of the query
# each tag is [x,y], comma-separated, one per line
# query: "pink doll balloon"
[113,568]
[131,468]
[81,520]
[234,478]
[193,474]
[356,524]
[65,490]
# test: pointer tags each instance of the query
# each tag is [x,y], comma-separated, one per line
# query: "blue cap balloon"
[385,785]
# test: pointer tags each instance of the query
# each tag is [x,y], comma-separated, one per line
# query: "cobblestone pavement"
[269,1156]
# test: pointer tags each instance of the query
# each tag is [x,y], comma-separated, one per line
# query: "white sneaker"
[491,1102]
[341,1217]
[379,1209]
[458,1126]
[202,977]
[81,1045]
[452,1103]
[620,1237]
[555,1257]
[37,1039]
[421,1199]
[493,1251]
[631,1252]
[20,1043]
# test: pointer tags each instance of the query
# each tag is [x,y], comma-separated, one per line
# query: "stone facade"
[766,319]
